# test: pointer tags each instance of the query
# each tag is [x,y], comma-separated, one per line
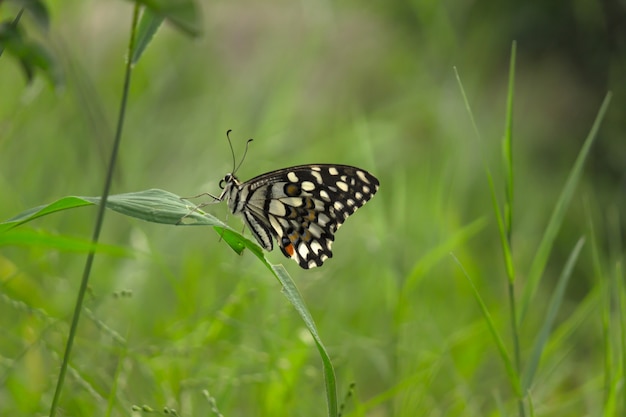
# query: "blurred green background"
[370,84]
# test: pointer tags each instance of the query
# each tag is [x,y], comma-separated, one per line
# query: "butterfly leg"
[199,206]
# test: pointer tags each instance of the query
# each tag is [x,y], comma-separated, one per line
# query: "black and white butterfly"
[301,207]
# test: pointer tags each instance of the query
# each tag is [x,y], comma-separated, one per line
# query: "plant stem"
[99,219]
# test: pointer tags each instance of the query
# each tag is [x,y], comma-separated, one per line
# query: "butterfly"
[301,207]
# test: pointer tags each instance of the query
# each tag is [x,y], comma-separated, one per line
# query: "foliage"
[171,322]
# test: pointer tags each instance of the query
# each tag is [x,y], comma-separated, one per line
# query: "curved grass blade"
[40,211]
[149,23]
[293,295]
[506,358]
[553,308]
[159,206]
[547,241]
[183,14]
[39,238]
[154,205]
[37,10]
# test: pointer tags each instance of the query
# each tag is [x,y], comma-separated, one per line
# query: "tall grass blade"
[183,14]
[507,148]
[553,307]
[99,221]
[293,295]
[149,23]
[504,355]
[545,247]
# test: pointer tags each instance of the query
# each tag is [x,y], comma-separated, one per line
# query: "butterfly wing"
[303,206]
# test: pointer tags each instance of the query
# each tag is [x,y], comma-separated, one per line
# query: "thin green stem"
[516,350]
[507,149]
[99,219]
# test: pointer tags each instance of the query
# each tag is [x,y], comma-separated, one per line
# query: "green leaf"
[548,322]
[38,10]
[30,238]
[148,26]
[545,247]
[507,148]
[159,206]
[30,55]
[293,295]
[504,355]
[153,205]
[183,14]
[39,211]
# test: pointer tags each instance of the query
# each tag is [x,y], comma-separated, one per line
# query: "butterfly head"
[229,185]
[228,180]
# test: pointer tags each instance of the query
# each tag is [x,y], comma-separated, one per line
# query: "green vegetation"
[484,279]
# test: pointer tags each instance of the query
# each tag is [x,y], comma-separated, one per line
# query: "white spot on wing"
[317,176]
[333,171]
[342,186]
[338,205]
[307,186]
[303,250]
[362,175]
[292,177]
[324,195]
[316,247]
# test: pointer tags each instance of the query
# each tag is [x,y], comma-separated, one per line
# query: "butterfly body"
[301,207]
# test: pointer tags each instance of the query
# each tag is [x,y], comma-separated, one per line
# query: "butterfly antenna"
[230,143]
[245,152]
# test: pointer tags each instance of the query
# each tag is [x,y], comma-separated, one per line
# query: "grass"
[174,322]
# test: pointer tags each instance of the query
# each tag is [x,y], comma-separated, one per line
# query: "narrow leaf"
[293,295]
[545,247]
[163,207]
[507,148]
[38,10]
[183,14]
[147,28]
[548,322]
[504,355]
[31,238]
[39,211]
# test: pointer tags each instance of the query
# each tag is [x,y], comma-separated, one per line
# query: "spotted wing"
[302,207]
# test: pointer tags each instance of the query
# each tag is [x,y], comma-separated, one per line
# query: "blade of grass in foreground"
[293,295]
[39,238]
[548,322]
[159,206]
[506,358]
[84,282]
[545,247]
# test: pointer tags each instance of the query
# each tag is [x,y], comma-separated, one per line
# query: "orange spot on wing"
[289,249]
[292,190]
